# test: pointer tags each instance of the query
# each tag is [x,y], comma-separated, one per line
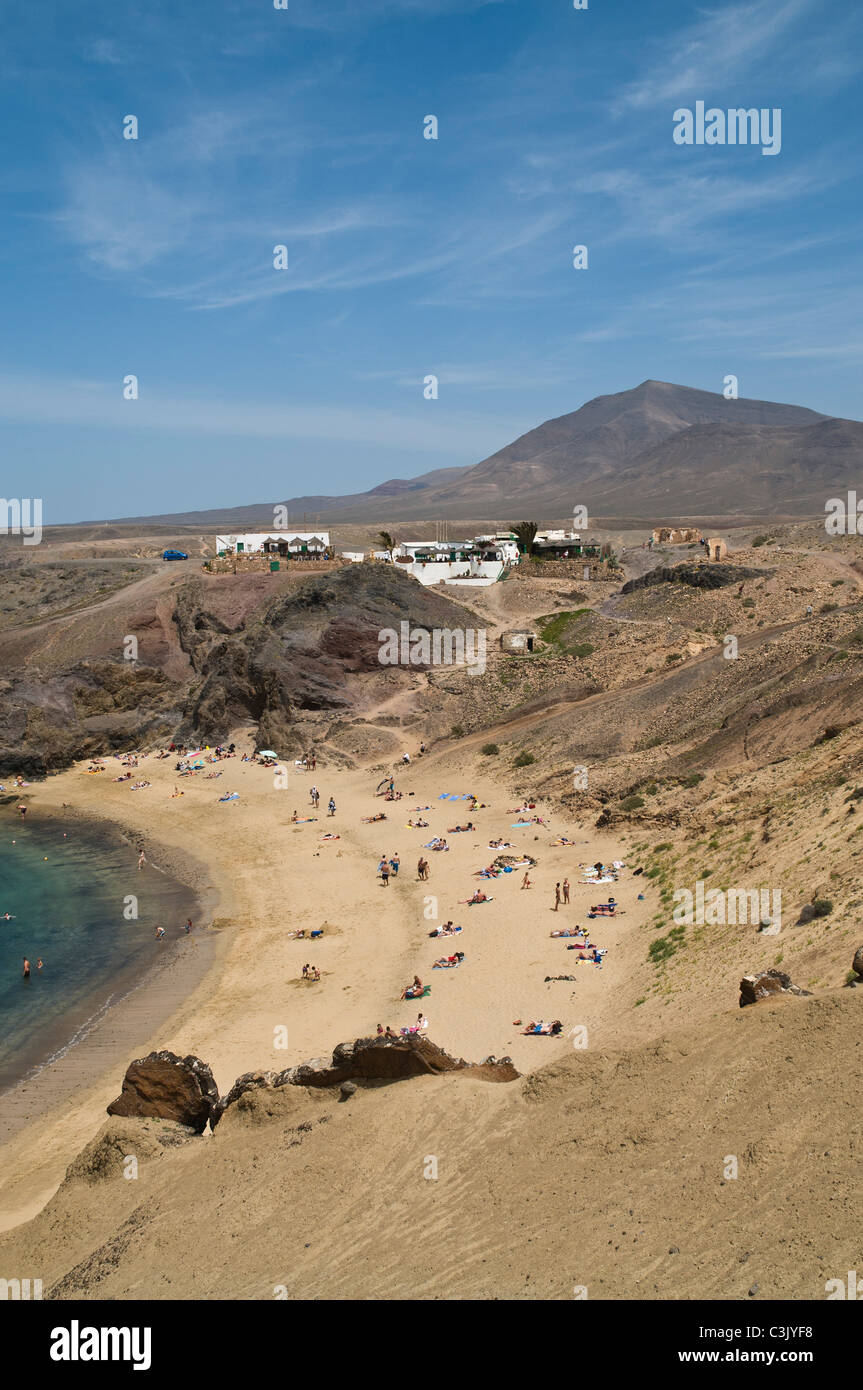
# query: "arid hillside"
[718,1162]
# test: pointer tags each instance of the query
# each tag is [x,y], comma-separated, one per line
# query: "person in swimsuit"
[26,970]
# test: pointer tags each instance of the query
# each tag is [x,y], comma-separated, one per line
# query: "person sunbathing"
[369,820]
[459,829]
[446,930]
[411,991]
[448,962]
[568,931]
[478,897]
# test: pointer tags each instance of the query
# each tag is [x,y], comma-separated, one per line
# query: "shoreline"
[94,1058]
[247,1007]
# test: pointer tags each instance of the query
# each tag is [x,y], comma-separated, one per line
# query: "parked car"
[174,555]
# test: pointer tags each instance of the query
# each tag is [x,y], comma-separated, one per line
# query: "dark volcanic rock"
[857,962]
[371,1059]
[698,576]
[767,983]
[168,1087]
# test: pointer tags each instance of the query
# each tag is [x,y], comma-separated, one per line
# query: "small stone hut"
[716,548]
[519,641]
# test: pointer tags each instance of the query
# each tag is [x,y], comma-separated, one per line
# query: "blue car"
[174,555]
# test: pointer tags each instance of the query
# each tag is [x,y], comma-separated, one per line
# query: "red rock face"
[167,1087]
[371,1059]
[767,983]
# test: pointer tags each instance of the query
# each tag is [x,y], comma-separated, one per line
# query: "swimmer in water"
[26,970]
[39,963]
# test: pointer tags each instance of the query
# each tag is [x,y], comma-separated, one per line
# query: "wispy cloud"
[721,47]
[429,429]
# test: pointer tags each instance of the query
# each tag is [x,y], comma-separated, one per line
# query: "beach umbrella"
[267,753]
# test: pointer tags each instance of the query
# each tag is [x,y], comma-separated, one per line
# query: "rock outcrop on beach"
[857,963]
[765,985]
[368,1059]
[168,1087]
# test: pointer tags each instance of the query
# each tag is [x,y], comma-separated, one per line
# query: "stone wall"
[566,569]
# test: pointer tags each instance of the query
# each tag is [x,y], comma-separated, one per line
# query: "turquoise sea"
[66,887]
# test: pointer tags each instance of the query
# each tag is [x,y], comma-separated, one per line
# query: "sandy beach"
[239,994]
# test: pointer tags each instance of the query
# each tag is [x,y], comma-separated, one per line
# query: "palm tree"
[386,540]
[525,533]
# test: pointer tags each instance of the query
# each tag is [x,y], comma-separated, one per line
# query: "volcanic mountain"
[656,450]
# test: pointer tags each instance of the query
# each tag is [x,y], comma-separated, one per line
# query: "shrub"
[632,803]
[828,608]
[582,650]
[489,749]
[822,907]
[760,540]
[457,731]
[524,760]
[674,656]
[749,603]
[692,779]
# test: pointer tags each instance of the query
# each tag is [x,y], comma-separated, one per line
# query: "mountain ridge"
[629,453]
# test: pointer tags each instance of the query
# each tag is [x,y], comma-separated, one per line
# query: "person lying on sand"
[547,1030]
[446,930]
[449,962]
[478,897]
[370,820]
[570,931]
[418,824]
[459,829]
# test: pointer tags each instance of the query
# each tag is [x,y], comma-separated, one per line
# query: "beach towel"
[232,796]
[521,825]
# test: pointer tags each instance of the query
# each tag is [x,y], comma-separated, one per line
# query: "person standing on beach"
[566,890]
[525,883]
[26,971]
[142,859]
[384,871]
[332,806]
[188,927]
[394,864]
[556,896]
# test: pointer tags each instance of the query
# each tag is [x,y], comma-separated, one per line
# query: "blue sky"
[407,256]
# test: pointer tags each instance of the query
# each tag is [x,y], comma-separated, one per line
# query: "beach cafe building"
[314,545]
[476,563]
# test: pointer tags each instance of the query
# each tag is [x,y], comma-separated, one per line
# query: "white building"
[314,543]
[476,563]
